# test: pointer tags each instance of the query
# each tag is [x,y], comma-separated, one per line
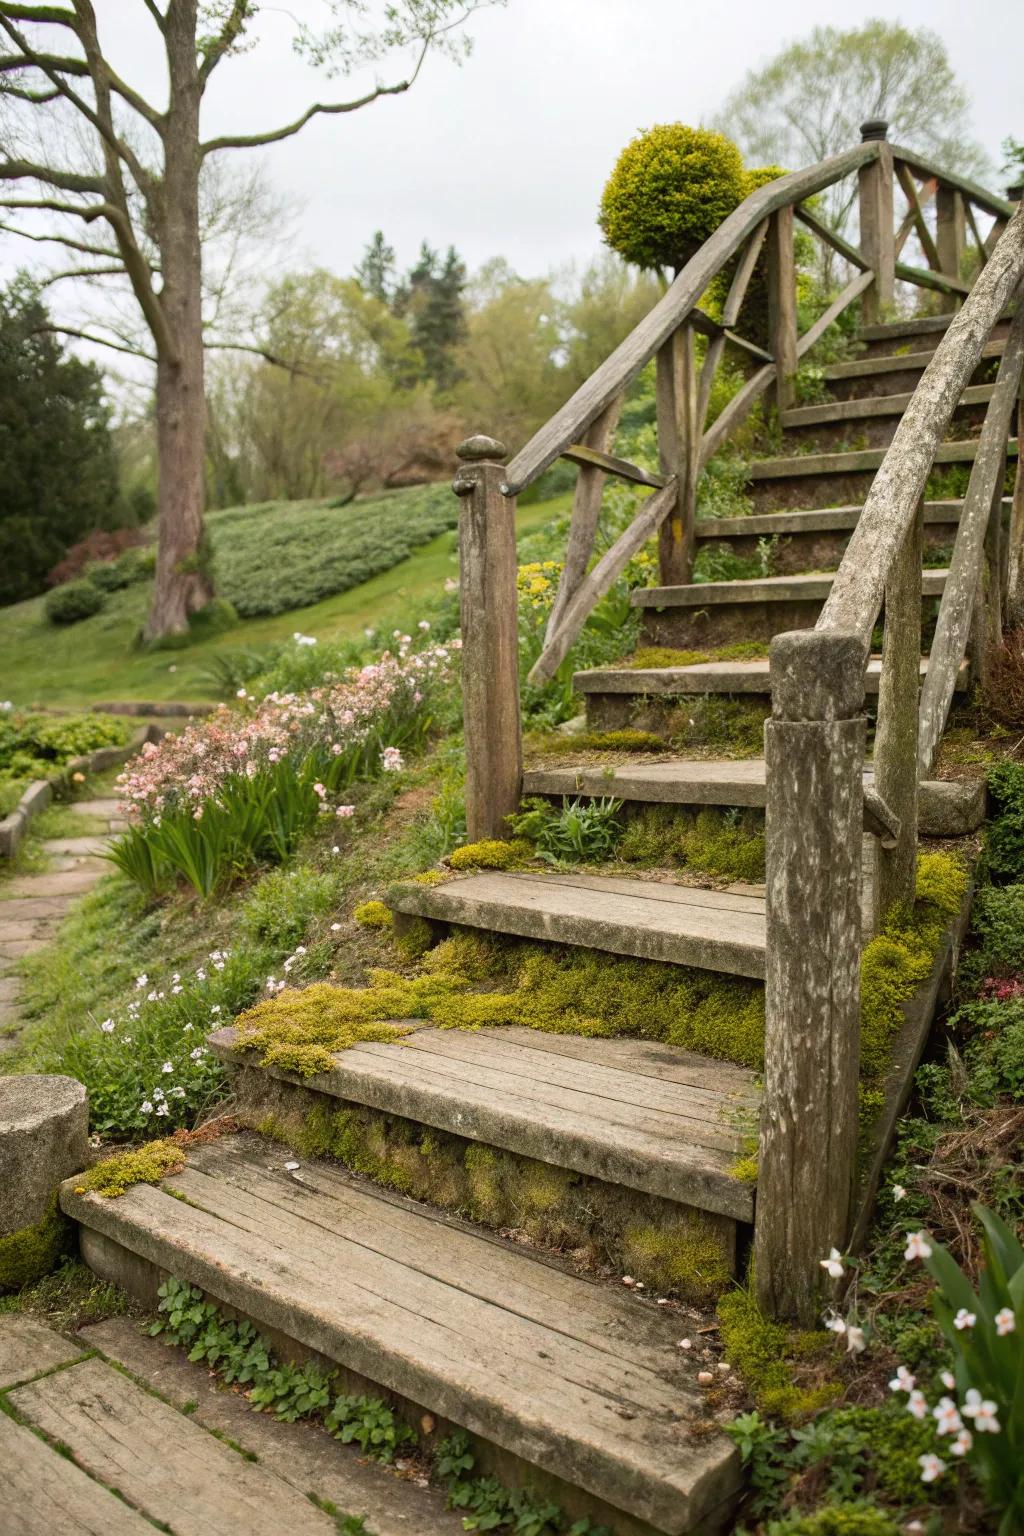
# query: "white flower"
[982,1410]
[200,974]
[424,625]
[855,1340]
[176,1093]
[215,1008]
[141,981]
[345,810]
[335,849]
[335,927]
[835,1325]
[947,1418]
[391,760]
[948,1380]
[158,1093]
[187,1029]
[167,1067]
[898,1192]
[197,1054]
[964,1319]
[918,1246]
[903,1381]
[107,1026]
[175,990]
[917,1404]
[962,1444]
[932,1468]
[162,1109]
[241,694]
[145,1108]
[833,1265]
[1005,1321]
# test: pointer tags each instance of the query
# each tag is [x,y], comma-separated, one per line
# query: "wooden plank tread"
[609,1115]
[866,367]
[812,587]
[871,405]
[574,1376]
[648,919]
[813,520]
[707,677]
[860,462]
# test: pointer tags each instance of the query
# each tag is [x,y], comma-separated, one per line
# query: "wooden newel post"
[678,452]
[950,233]
[896,735]
[877,237]
[814,752]
[782,304]
[490,639]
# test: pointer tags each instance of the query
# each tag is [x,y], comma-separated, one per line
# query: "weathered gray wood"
[995,234]
[703,677]
[597,581]
[924,234]
[676,387]
[962,452]
[671,1140]
[896,732]
[908,362]
[926,193]
[871,405]
[44,1493]
[891,503]
[28,1347]
[527,1358]
[618,370]
[166,1466]
[820,520]
[975,231]
[730,314]
[586,511]
[842,247]
[608,464]
[984,494]
[490,640]
[808,1140]
[782,303]
[1015,556]
[853,290]
[648,919]
[764,589]
[951,230]
[989,201]
[939,283]
[735,412]
[876,231]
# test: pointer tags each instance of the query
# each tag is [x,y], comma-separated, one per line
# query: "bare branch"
[319,108]
[229,34]
[66,65]
[99,341]
[268,357]
[86,211]
[54,14]
[66,181]
[156,14]
[72,245]
[58,277]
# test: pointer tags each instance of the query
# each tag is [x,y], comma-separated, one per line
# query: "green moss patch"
[669,1247]
[492,853]
[649,656]
[137,1165]
[373,914]
[772,1359]
[300,1029]
[33,1251]
[726,844]
[596,741]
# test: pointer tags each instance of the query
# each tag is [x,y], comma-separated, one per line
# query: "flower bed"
[241,787]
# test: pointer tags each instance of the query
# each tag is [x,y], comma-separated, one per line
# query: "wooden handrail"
[981,196]
[859,584]
[622,366]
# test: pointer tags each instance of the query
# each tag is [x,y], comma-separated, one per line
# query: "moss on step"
[726,844]
[373,914]
[559,742]
[651,656]
[670,1247]
[148,1164]
[301,1028]
[33,1251]
[492,853]
[772,1358]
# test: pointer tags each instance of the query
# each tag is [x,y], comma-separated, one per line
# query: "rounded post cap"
[873,128]
[817,675]
[480,447]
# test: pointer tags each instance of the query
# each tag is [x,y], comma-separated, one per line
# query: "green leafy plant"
[75,601]
[486,1505]
[579,832]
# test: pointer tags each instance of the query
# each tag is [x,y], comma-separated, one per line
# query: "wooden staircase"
[574,1384]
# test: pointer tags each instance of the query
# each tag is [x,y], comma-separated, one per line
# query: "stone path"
[32,906]
[112,1432]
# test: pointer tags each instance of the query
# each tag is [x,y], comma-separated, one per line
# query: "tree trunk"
[183,583]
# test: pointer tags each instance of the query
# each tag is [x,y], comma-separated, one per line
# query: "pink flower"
[1005,1321]
[345,810]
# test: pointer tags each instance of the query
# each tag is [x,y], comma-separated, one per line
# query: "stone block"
[43,1139]
[953,808]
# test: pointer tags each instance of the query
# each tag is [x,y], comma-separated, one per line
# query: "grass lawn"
[95,660]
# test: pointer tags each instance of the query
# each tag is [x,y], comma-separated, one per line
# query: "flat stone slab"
[813,588]
[648,919]
[65,882]
[305,1456]
[45,1494]
[76,847]
[28,1347]
[22,908]
[709,677]
[579,1378]
[105,807]
[632,1112]
[167,1467]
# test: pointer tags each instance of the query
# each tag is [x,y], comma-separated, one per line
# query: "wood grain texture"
[895,755]
[167,1467]
[876,231]
[872,405]
[991,202]
[782,303]
[44,1494]
[28,1347]
[586,510]
[712,930]
[676,402]
[763,589]
[572,1376]
[924,234]
[912,362]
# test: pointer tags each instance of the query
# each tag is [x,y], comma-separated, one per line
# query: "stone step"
[816,539]
[583,1383]
[648,919]
[617,697]
[951,808]
[892,374]
[646,1116]
[705,615]
[834,479]
[870,420]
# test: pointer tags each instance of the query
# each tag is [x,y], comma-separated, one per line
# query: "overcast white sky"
[508,154]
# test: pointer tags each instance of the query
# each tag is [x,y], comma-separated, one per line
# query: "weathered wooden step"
[631,1112]
[871,420]
[830,479]
[579,1380]
[892,374]
[705,615]
[816,539]
[648,919]
[921,331]
[945,808]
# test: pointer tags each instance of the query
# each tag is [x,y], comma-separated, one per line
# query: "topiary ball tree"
[670,189]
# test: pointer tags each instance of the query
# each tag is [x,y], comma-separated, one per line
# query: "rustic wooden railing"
[815,741]
[814,751]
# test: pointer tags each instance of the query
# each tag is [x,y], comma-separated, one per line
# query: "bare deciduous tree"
[124,176]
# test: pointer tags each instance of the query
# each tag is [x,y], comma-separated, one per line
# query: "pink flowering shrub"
[241,787]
